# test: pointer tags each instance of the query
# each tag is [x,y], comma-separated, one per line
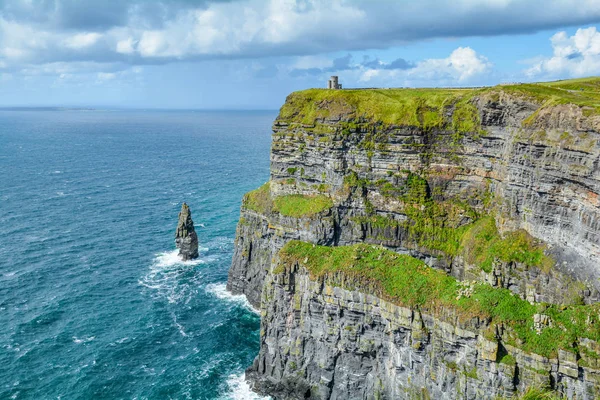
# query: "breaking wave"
[219,290]
[240,390]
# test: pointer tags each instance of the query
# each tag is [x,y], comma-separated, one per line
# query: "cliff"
[492,191]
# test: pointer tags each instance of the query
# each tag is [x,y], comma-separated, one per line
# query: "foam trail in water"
[83,340]
[219,290]
[171,258]
[240,390]
[165,277]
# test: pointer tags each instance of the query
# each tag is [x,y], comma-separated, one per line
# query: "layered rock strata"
[186,238]
[498,185]
[320,341]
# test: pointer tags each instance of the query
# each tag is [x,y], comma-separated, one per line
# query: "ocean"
[94,303]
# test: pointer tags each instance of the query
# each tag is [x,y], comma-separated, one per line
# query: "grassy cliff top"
[409,282]
[426,107]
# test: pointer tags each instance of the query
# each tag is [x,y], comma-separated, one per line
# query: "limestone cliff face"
[259,237]
[421,177]
[186,238]
[320,341]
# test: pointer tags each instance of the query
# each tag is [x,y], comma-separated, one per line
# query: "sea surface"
[94,302]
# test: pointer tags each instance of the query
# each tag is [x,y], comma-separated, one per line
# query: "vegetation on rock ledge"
[482,244]
[434,224]
[298,205]
[292,205]
[409,282]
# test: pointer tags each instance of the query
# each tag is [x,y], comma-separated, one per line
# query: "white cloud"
[370,74]
[82,40]
[106,76]
[574,56]
[139,32]
[462,66]
[126,46]
[19,42]
[307,62]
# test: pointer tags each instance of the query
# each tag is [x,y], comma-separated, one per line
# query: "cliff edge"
[486,198]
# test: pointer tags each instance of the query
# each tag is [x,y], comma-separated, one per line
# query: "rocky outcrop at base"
[186,239]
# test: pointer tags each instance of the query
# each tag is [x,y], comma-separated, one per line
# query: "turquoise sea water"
[93,301]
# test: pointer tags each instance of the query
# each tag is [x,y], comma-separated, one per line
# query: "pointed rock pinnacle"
[186,239]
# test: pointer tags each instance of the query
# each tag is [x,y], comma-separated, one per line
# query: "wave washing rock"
[186,239]
[497,186]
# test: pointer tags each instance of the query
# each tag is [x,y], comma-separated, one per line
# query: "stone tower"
[332,83]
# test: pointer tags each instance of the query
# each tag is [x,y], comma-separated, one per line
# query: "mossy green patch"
[293,205]
[433,224]
[482,244]
[508,360]
[409,282]
[436,224]
[537,394]
[297,205]
[402,278]
[259,200]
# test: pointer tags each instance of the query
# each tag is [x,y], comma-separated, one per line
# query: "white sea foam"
[178,325]
[165,277]
[83,340]
[240,390]
[171,258]
[219,290]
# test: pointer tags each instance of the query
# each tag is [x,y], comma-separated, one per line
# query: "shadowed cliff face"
[496,185]
[186,239]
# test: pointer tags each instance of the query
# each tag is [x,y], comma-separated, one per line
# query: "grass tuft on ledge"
[482,244]
[409,282]
[259,200]
[292,205]
[298,205]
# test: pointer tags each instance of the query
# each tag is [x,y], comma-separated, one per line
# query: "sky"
[250,54]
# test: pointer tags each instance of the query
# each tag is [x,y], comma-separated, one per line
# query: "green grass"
[589,84]
[415,107]
[537,394]
[297,205]
[482,244]
[259,200]
[401,278]
[508,360]
[293,205]
[434,224]
[409,282]
[427,108]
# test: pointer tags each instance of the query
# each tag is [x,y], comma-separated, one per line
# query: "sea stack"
[186,239]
